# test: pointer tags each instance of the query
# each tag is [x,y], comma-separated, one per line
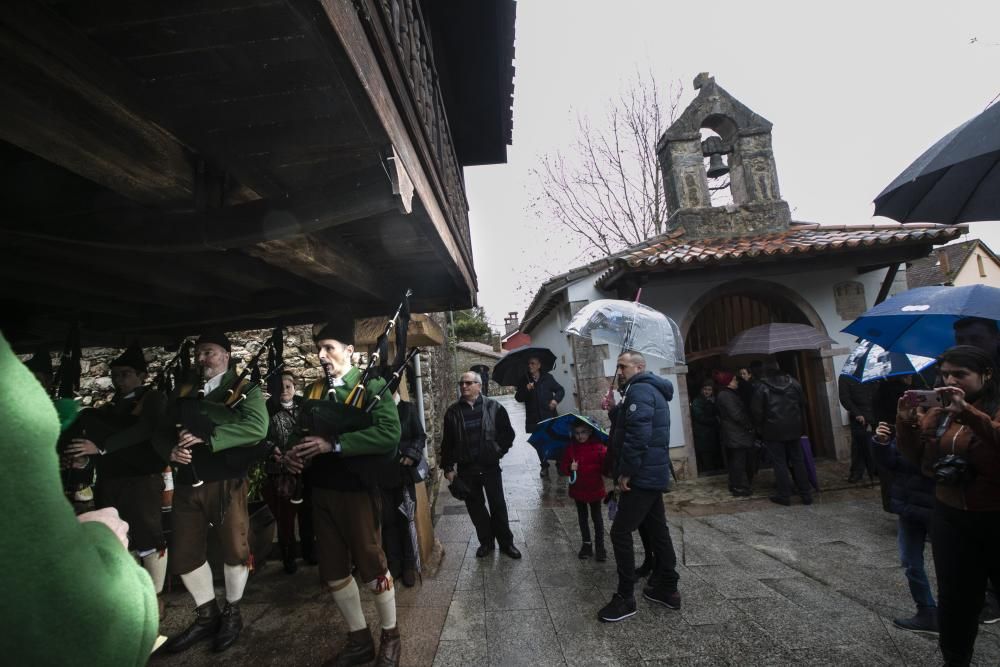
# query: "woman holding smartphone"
[957,441]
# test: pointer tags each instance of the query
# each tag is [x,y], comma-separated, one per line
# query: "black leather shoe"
[484,550]
[205,626]
[388,649]
[511,551]
[229,629]
[360,649]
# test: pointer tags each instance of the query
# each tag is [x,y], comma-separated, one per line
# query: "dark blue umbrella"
[552,435]
[869,362]
[920,321]
[955,180]
[513,366]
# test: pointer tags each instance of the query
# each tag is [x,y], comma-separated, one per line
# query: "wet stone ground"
[761,585]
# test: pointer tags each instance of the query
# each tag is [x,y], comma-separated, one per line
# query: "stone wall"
[467,359]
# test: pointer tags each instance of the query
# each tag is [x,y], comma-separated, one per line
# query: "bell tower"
[744,139]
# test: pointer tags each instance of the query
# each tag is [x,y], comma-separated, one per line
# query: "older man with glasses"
[477,434]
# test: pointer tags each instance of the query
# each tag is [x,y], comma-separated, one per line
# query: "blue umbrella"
[919,321]
[552,435]
[869,362]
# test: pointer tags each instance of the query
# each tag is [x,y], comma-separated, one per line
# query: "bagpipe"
[90,424]
[192,412]
[330,418]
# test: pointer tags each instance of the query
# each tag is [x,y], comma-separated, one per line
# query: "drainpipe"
[418,376]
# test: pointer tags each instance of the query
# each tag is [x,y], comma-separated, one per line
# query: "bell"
[716,166]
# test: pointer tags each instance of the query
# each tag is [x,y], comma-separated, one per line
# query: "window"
[982,268]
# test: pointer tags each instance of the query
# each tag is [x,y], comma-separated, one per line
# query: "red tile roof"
[676,252]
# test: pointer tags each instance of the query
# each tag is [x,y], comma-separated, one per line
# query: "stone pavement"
[762,585]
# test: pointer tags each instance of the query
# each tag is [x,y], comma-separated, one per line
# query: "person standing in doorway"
[541,395]
[737,432]
[477,434]
[778,409]
[642,473]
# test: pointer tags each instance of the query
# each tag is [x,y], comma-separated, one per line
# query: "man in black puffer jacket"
[911,497]
[642,473]
[778,407]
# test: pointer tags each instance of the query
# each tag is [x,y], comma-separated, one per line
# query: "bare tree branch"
[607,192]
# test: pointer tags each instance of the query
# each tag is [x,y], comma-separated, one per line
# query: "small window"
[982,268]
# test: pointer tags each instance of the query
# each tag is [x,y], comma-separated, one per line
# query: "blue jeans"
[911,538]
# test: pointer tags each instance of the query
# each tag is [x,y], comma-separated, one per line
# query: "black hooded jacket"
[778,407]
[536,400]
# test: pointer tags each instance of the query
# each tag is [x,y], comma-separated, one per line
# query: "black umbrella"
[956,180]
[513,366]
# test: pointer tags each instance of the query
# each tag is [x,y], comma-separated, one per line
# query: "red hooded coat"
[589,485]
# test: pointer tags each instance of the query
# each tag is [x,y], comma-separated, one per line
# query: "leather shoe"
[780,500]
[229,629]
[484,550]
[511,551]
[360,649]
[389,648]
[205,626]
[409,577]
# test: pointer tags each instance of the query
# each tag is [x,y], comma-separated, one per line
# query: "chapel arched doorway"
[715,321]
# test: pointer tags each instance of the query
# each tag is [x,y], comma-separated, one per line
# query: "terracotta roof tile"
[800,239]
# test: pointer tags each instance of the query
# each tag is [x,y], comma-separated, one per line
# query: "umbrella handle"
[608,401]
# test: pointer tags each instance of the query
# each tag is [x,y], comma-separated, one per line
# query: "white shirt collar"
[213,384]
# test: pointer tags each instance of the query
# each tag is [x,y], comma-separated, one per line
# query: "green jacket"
[382,437]
[72,594]
[244,427]
[364,453]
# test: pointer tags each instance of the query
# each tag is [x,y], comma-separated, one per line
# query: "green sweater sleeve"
[74,595]
[247,429]
[382,437]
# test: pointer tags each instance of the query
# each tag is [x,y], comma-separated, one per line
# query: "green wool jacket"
[72,594]
[363,453]
[235,430]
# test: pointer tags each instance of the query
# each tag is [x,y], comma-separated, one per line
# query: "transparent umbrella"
[630,325]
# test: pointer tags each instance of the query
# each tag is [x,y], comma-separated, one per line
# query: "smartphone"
[923,398]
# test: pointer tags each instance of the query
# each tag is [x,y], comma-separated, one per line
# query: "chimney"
[945,264]
[511,323]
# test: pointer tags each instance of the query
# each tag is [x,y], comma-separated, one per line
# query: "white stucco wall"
[969,275]
[675,301]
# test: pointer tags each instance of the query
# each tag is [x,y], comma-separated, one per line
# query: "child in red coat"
[583,461]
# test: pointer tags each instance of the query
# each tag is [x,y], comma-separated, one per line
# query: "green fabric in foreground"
[72,594]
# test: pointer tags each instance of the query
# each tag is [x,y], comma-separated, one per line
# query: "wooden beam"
[65,101]
[883,291]
[146,230]
[346,23]
[325,264]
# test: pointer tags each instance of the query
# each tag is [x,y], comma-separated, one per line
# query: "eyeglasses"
[466,383]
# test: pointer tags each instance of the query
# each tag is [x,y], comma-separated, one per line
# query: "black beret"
[340,329]
[133,358]
[217,337]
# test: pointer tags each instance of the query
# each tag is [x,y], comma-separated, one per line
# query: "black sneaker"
[780,501]
[925,622]
[586,551]
[617,610]
[600,555]
[669,599]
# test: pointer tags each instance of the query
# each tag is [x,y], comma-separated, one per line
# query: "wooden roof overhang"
[166,164]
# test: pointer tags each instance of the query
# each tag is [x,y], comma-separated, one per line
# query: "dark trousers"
[285,514]
[396,542]
[788,454]
[598,518]
[966,554]
[740,472]
[911,538]
[862,461]
[491,524]
[636,508]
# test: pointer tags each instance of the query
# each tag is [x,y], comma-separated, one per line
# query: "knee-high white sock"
[236,580]
[348,599]
[385,600]
[199,584]
[156,565]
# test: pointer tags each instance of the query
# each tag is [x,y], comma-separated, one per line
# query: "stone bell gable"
[743,145]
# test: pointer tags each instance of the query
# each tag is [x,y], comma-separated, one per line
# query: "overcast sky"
[856,91]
